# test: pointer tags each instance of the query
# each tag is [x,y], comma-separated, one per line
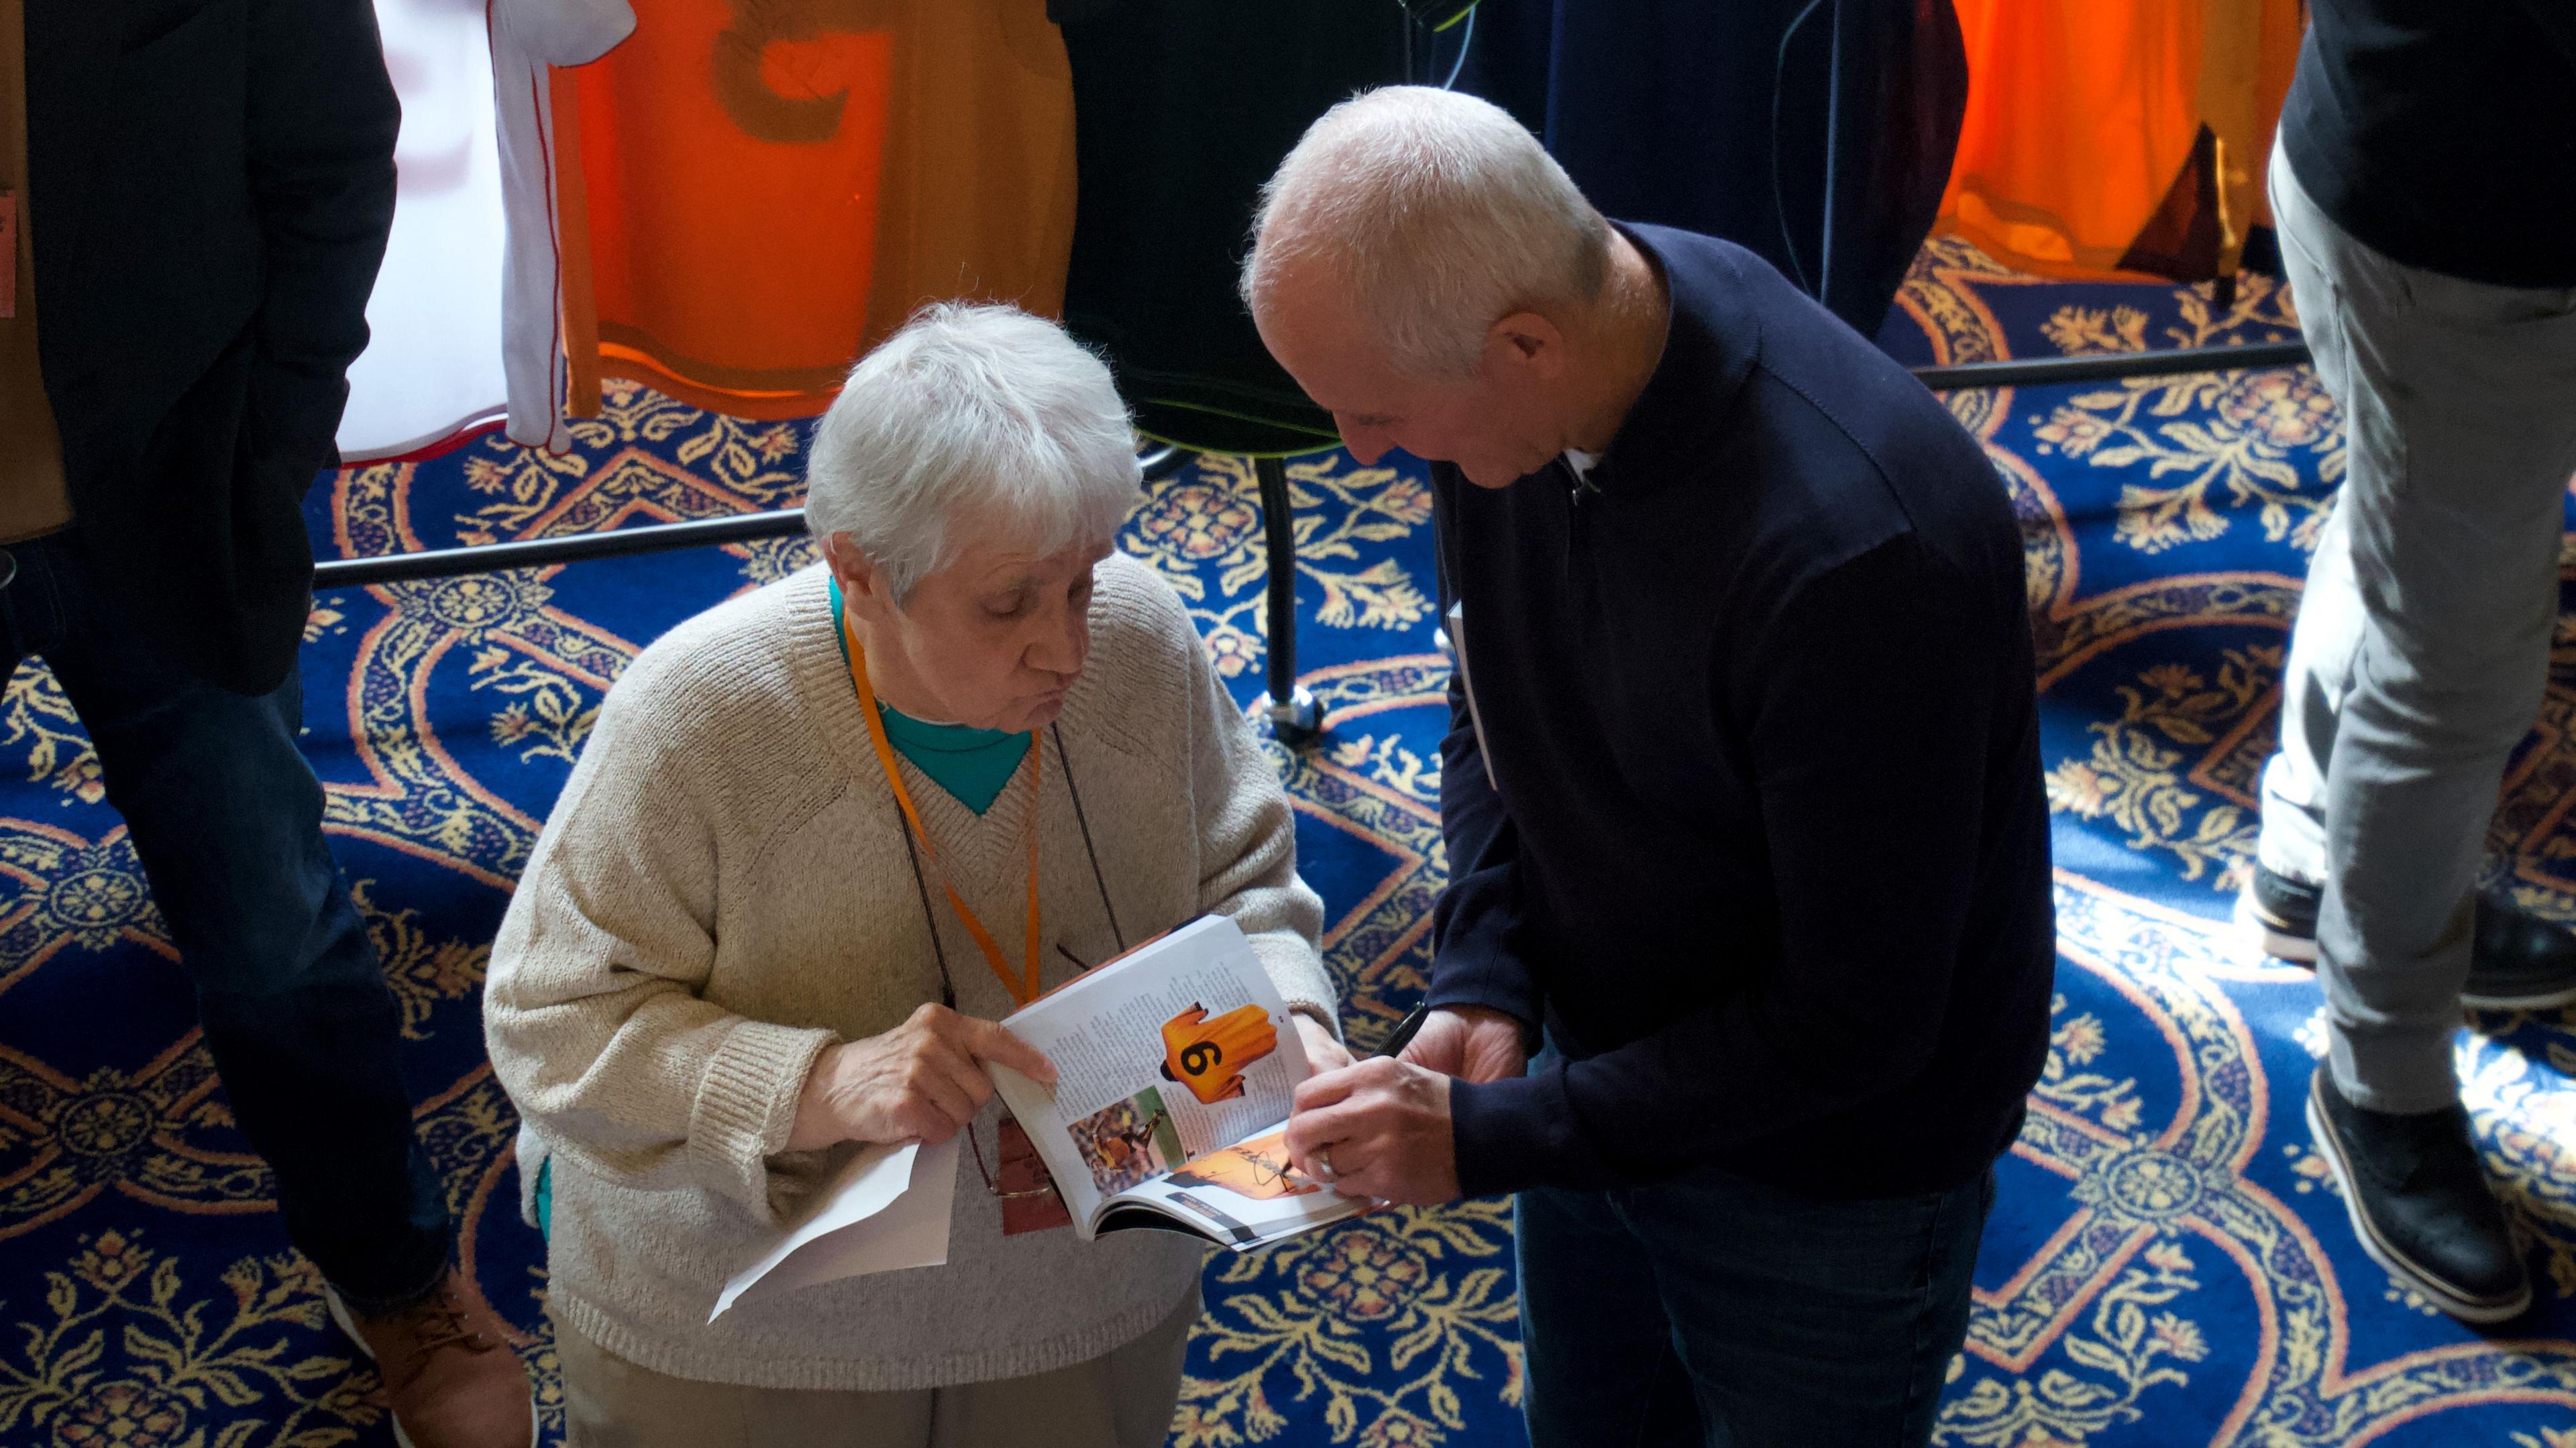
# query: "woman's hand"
[921,1081]
[1323,1053]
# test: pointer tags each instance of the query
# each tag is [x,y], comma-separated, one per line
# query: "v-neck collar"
[982,845]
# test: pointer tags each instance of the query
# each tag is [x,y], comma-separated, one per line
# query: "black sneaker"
[2517,961]
[2420,1203]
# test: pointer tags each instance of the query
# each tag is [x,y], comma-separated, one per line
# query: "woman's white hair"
[973,419]
[1438,212]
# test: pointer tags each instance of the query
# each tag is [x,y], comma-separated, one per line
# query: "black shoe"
[2517,961]
[2282,911]
[2420,1203]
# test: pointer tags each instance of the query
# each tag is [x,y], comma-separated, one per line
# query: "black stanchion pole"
[1292,709]
[1297,714]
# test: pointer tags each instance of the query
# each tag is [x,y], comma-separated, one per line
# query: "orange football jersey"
[753,192]
[1208,1056]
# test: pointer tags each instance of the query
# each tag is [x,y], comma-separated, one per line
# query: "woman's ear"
[858,577]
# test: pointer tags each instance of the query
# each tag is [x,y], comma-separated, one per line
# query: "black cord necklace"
[1064,766]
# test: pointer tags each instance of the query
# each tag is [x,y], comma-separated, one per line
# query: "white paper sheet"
[888,1209]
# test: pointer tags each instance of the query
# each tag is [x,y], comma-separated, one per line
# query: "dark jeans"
[1714,1310]
[226,817]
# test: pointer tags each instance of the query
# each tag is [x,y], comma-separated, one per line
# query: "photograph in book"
[1127,1142]
[1243,1195]
[1257,1170]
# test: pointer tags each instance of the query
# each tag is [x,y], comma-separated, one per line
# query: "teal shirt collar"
[971,764]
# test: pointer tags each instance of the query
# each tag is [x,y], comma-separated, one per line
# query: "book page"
[1246,1194]
[1166,1054]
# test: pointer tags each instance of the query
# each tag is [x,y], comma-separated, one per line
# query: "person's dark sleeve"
[1473,960]
[2557,20]
[1875,688]
[322,121]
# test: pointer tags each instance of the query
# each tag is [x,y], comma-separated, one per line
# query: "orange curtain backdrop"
[2093,124]
[754,192]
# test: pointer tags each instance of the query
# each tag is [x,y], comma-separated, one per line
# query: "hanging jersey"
[747,194]
[2119,136]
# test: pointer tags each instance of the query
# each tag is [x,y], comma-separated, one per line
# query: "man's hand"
[1378,1129]
[1470,1043]
[1323,1052]
[921,1081]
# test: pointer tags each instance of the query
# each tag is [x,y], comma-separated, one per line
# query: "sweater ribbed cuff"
[746,1104]
[1320,1016]
[1302,981]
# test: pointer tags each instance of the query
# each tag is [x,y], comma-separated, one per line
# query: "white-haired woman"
[735,947]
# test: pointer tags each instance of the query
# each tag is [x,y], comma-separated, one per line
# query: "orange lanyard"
[1025,990]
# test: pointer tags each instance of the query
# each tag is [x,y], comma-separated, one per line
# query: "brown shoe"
[449,1375]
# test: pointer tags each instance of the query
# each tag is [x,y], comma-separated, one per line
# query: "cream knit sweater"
[723,891]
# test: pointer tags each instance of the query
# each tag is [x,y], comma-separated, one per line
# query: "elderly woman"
[782,902]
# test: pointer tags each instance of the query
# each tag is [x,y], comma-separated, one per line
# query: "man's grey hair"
[974,419]
[1440,215]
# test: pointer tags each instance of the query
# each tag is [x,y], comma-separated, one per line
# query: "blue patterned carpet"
[2168,1263]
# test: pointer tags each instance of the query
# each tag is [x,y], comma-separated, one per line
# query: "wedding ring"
[1324,1163]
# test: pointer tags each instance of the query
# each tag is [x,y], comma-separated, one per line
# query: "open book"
[1175,1064]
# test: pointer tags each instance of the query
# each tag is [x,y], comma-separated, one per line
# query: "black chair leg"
[1294,715]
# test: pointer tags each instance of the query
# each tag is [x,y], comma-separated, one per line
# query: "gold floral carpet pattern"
[2167,1263]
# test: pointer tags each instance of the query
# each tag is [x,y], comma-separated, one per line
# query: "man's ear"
[1527,341]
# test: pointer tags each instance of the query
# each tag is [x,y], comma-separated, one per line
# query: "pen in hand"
[1405,1031]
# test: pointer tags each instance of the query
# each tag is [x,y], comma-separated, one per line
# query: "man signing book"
[1742,794]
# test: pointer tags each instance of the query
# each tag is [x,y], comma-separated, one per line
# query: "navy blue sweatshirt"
[2442,133]
[1763,846]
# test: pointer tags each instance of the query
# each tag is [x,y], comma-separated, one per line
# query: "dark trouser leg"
[226,815]
[1807,1322]
[1598,1351]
